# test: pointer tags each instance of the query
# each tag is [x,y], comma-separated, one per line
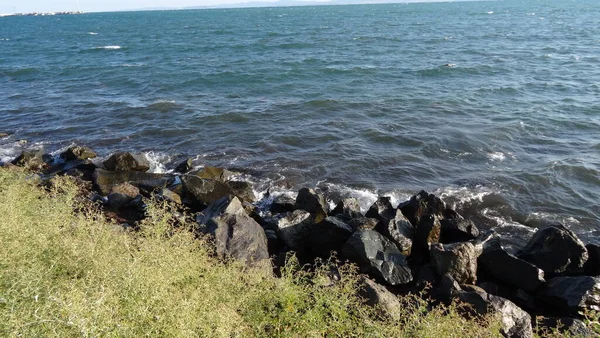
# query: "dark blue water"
[493,105]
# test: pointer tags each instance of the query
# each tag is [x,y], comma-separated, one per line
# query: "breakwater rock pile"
[420,245]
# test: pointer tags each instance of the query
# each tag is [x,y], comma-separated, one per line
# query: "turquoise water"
[493,105]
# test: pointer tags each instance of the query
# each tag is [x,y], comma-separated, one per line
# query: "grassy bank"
[66,273]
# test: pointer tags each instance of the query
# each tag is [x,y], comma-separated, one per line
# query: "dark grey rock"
[243,190]
[377,295]
[104,180]
[364,223]
[572,294]
[515,322]
[282,204]
[122,161]
[214,173]
[458,260]
[377,256]
[382,210]
[294,229]
[347,209]
[592,265]
[205,191]
[312,202]
[78,153]
[566,325]
[240,237]
[446,290]
[422,204]
[327,236]
[556,250]
[227,205]
[30,159]
[509,269]
[185,166]
[427,232]
[457,229]
[399,230]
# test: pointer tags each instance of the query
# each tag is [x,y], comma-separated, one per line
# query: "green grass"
[66,273]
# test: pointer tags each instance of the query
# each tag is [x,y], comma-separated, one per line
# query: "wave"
[110,47]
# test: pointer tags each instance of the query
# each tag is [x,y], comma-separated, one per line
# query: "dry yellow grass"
[66,273]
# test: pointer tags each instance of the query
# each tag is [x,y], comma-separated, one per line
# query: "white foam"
[157,162]
[503,222]
[490,12]
[546,216]
[496,156]
[92,33]
[463,195]
[109,47]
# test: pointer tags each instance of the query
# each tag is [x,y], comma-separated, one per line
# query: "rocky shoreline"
[420,245]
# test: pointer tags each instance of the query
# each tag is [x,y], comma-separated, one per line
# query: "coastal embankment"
[391,270]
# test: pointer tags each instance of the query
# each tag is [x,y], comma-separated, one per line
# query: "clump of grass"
[67,273]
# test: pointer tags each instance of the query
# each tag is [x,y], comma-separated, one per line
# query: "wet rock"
[565,325]
[509,269]
[312,202]
[282,204]
[399,230]
[123,161]
[382,210]
[30,159]
[422,204]
[364,223]
[78,153]
[427,232]
[214,173]
[205,191]
[556,250]
[184,167]
[104,180]
[169,195]
[327,236]
[239,236]
[457,229]
[122,194]
[228,205]
[377,295]
[572,294]
[243,190]
[515,322]
[458,260]
[592,265]
[377,256]
[294,229]
[347,209]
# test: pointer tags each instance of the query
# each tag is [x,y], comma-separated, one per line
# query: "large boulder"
[30,159]
[382,210]
[122,194]
[377,256]
[282,204]
[377,295]
[77,153]
[514,321]
[312,202]
[294,229]
[556,250]
[104,180]
[572,294]
[327,236]
[364,223]
[454,228]
[592,265]
[347,209]
[185,166]
[240,237]
[214,173]
[427,232]
[399,230]
[204,191]
[571,327]
[229,205]
[458,260]
[509,269]
[243,190]
[422,204]
[123,161]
